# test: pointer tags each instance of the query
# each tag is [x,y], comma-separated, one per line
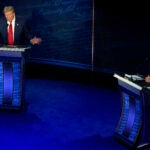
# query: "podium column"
[130,123]
[11,77]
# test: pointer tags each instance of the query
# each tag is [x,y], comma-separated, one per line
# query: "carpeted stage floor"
[63,113]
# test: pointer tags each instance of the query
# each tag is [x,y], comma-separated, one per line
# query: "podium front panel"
[11,84]
[134,125]
[11,77]
[130,123]
[7,54]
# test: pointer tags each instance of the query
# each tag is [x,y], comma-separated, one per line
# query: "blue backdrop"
[121,34]
[64,26]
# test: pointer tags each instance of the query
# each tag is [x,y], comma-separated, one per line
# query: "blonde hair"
[8,8]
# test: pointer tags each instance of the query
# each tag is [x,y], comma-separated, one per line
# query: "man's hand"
[35,40]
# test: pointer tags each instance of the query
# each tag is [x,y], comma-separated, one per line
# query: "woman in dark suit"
[20,33]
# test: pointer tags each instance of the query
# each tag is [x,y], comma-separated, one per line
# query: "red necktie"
[10,35]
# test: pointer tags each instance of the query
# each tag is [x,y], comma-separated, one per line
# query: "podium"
[133,128]
[11,77]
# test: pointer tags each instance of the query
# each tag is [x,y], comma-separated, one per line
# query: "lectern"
[134,125]
[11,77]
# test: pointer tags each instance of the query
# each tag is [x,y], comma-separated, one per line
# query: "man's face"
[9,15]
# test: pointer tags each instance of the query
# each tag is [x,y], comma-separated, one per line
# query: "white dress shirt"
[13,25]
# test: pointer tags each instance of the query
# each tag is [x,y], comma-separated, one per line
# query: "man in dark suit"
[20,33]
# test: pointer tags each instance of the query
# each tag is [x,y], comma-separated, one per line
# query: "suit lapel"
[5,32]
[18,28]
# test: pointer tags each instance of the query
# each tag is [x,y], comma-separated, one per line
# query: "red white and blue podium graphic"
[11,76]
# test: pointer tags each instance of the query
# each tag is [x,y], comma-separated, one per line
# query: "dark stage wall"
[121,35]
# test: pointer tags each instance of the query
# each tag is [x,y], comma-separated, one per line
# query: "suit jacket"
[21,33]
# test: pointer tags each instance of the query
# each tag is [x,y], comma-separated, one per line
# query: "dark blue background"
[63,25]
[121,34]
